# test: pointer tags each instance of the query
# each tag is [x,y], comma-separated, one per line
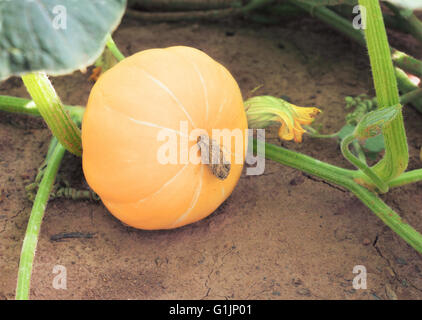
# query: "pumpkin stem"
[213,155]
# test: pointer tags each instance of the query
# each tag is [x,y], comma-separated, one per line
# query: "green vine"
[26,106]
[345,178]
[34,224]
[52,110]
[111,45]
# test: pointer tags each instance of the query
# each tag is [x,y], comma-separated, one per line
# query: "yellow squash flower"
[263,111]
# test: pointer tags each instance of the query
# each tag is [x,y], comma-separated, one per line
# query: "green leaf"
[374,144]
[345,131]
[371,155]
[54,36]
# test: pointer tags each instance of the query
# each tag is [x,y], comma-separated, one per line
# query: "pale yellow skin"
[128,106]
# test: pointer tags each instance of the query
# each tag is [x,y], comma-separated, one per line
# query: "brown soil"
[281,235]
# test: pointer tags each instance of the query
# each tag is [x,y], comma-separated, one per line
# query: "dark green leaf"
[375,144]
[372,146]
[55,36]
[345,131]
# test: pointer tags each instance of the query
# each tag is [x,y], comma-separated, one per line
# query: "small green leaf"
[345,131]
[54,36]
[374,144]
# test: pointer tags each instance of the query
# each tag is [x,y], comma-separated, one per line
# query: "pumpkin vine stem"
[396,155]
[345,178]
[34,224]
[406,178]
[26,106]
[408,20]
[111,45]
[201,11]
[212,154]
[52,110]
[358,163]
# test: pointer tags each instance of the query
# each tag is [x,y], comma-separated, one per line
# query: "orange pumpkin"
[155,90]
